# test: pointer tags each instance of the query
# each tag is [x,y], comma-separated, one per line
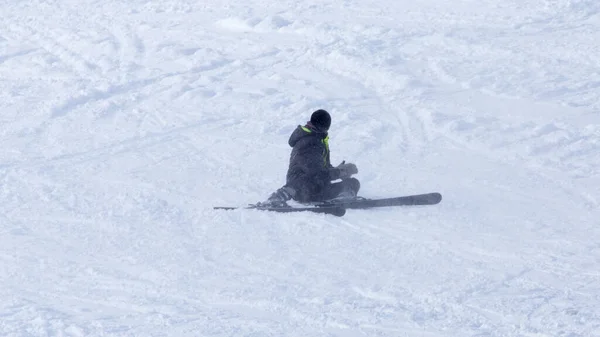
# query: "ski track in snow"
[122,124]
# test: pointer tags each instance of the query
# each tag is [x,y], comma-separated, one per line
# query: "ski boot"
[279,198]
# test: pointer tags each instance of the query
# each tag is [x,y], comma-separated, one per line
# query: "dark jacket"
[310,169]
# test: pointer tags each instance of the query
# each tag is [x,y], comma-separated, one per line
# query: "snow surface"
[123,123]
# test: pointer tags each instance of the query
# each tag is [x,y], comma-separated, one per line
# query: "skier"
[310,173]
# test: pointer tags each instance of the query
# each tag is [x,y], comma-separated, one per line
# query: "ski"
[338,207]
[323,209]
[408,200]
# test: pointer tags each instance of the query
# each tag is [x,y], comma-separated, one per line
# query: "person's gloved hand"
[347,170]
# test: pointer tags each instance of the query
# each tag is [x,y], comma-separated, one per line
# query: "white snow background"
[122,123]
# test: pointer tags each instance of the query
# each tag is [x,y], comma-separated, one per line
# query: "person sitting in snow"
[310,173]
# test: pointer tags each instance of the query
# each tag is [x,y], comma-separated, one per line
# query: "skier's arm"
[315,165]
[334,173]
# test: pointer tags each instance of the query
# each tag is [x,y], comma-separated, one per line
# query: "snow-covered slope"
[123,122]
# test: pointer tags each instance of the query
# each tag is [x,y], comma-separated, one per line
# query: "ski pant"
[309,192]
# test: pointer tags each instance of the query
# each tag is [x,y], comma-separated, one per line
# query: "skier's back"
[310,173]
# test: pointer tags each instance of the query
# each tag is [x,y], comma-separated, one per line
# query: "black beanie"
[321,120]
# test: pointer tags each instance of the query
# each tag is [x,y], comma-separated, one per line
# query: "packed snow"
[123,123]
